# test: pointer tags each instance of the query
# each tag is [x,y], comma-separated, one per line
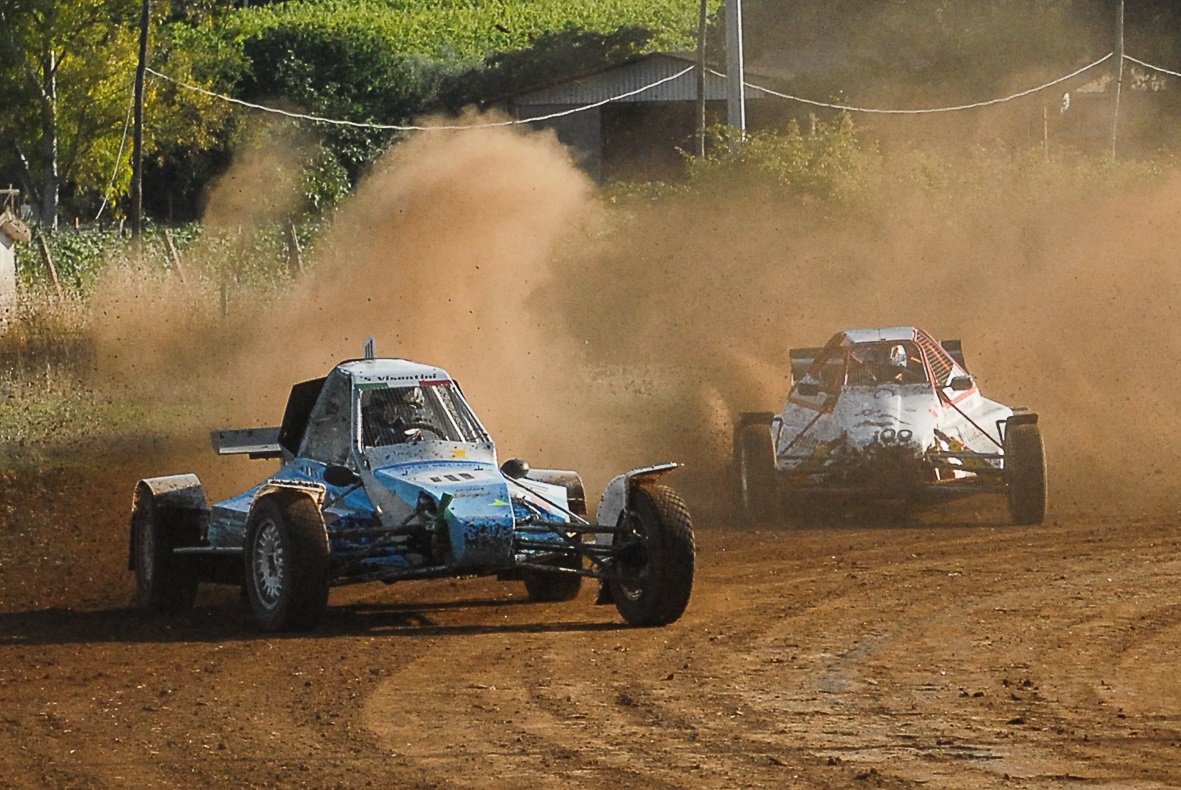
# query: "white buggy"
[888,415]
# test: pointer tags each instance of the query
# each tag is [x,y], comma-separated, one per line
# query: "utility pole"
[735,71]
[1119,73]
[137,140]
[701,78]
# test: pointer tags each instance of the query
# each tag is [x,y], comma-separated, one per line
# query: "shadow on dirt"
[234,623]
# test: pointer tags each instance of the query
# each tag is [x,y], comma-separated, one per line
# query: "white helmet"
[898,356]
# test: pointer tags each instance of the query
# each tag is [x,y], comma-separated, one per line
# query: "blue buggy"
[386,474]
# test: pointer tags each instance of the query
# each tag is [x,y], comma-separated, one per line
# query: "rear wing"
[801,360]
[255,442]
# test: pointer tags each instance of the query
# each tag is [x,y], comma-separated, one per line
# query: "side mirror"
[809,389]
[340,476]
[961,383]
[516,468]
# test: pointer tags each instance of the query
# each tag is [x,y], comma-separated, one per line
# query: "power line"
[628,94]
[1150,66]
[401,128]
[118,156]
[927,111]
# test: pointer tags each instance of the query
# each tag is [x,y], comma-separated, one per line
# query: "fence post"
[176,261]
[294,252]
[45,256]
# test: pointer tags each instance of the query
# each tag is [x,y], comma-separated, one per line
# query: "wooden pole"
[294,251]
[1045,134]
[701,79]
[48,259]
[137,140]
[1119,73]
[174,255]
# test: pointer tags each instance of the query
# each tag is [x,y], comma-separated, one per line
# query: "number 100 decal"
[890,436]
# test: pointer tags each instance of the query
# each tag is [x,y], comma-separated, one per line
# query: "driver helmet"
[898,356]
[409,396]
[401,402]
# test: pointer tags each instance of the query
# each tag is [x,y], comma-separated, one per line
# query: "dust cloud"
[1064,303]
[601,338]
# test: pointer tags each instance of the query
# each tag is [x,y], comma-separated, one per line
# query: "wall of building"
[7,277]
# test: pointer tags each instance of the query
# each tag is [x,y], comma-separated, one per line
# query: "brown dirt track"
[960,654]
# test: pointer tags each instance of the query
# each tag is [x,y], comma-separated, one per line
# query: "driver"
[903,369]
[398,413]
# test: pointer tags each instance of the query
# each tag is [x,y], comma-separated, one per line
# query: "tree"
[68,67]
[63,87]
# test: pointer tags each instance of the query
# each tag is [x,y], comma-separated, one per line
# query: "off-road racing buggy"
[887,415]
[386,474]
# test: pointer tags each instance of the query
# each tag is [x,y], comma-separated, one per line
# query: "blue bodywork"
[385,474]
[433,503]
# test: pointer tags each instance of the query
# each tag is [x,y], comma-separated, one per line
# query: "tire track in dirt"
[644,708]
[487,706]
[911,656]
[926,654]
[884,666]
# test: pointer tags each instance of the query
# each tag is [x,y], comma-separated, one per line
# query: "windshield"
[397,415]
[871,364]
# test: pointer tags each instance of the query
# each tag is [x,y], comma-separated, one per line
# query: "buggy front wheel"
[652,575]
[1025,473]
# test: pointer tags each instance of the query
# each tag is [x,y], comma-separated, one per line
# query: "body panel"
[878,409]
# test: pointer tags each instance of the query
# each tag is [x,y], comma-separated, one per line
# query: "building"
[643,135]
[12,230]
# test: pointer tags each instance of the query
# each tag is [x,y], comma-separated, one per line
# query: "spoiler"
[255,442]
[956,349]
[801,360]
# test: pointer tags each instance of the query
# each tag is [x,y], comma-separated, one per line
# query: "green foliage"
[66,65]
[825,163]
[571,52]
[244,259]
[387,63]
[77,257]
[69,68]
[467,32]
[325,182]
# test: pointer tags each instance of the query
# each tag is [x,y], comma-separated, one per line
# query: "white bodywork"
[615,495]
[876,393]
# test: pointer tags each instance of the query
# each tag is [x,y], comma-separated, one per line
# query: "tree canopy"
[66,69]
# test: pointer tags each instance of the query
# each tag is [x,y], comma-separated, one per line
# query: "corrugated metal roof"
[602,85]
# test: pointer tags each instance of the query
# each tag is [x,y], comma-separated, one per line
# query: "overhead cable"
[118,157]
[956,108]
[1150,66]
[636,91]
[400,128]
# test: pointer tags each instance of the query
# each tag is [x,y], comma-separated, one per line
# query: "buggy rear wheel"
[754,461]
[549,587]
[1025,473]
[164,582]
[287,564]
[652,575]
